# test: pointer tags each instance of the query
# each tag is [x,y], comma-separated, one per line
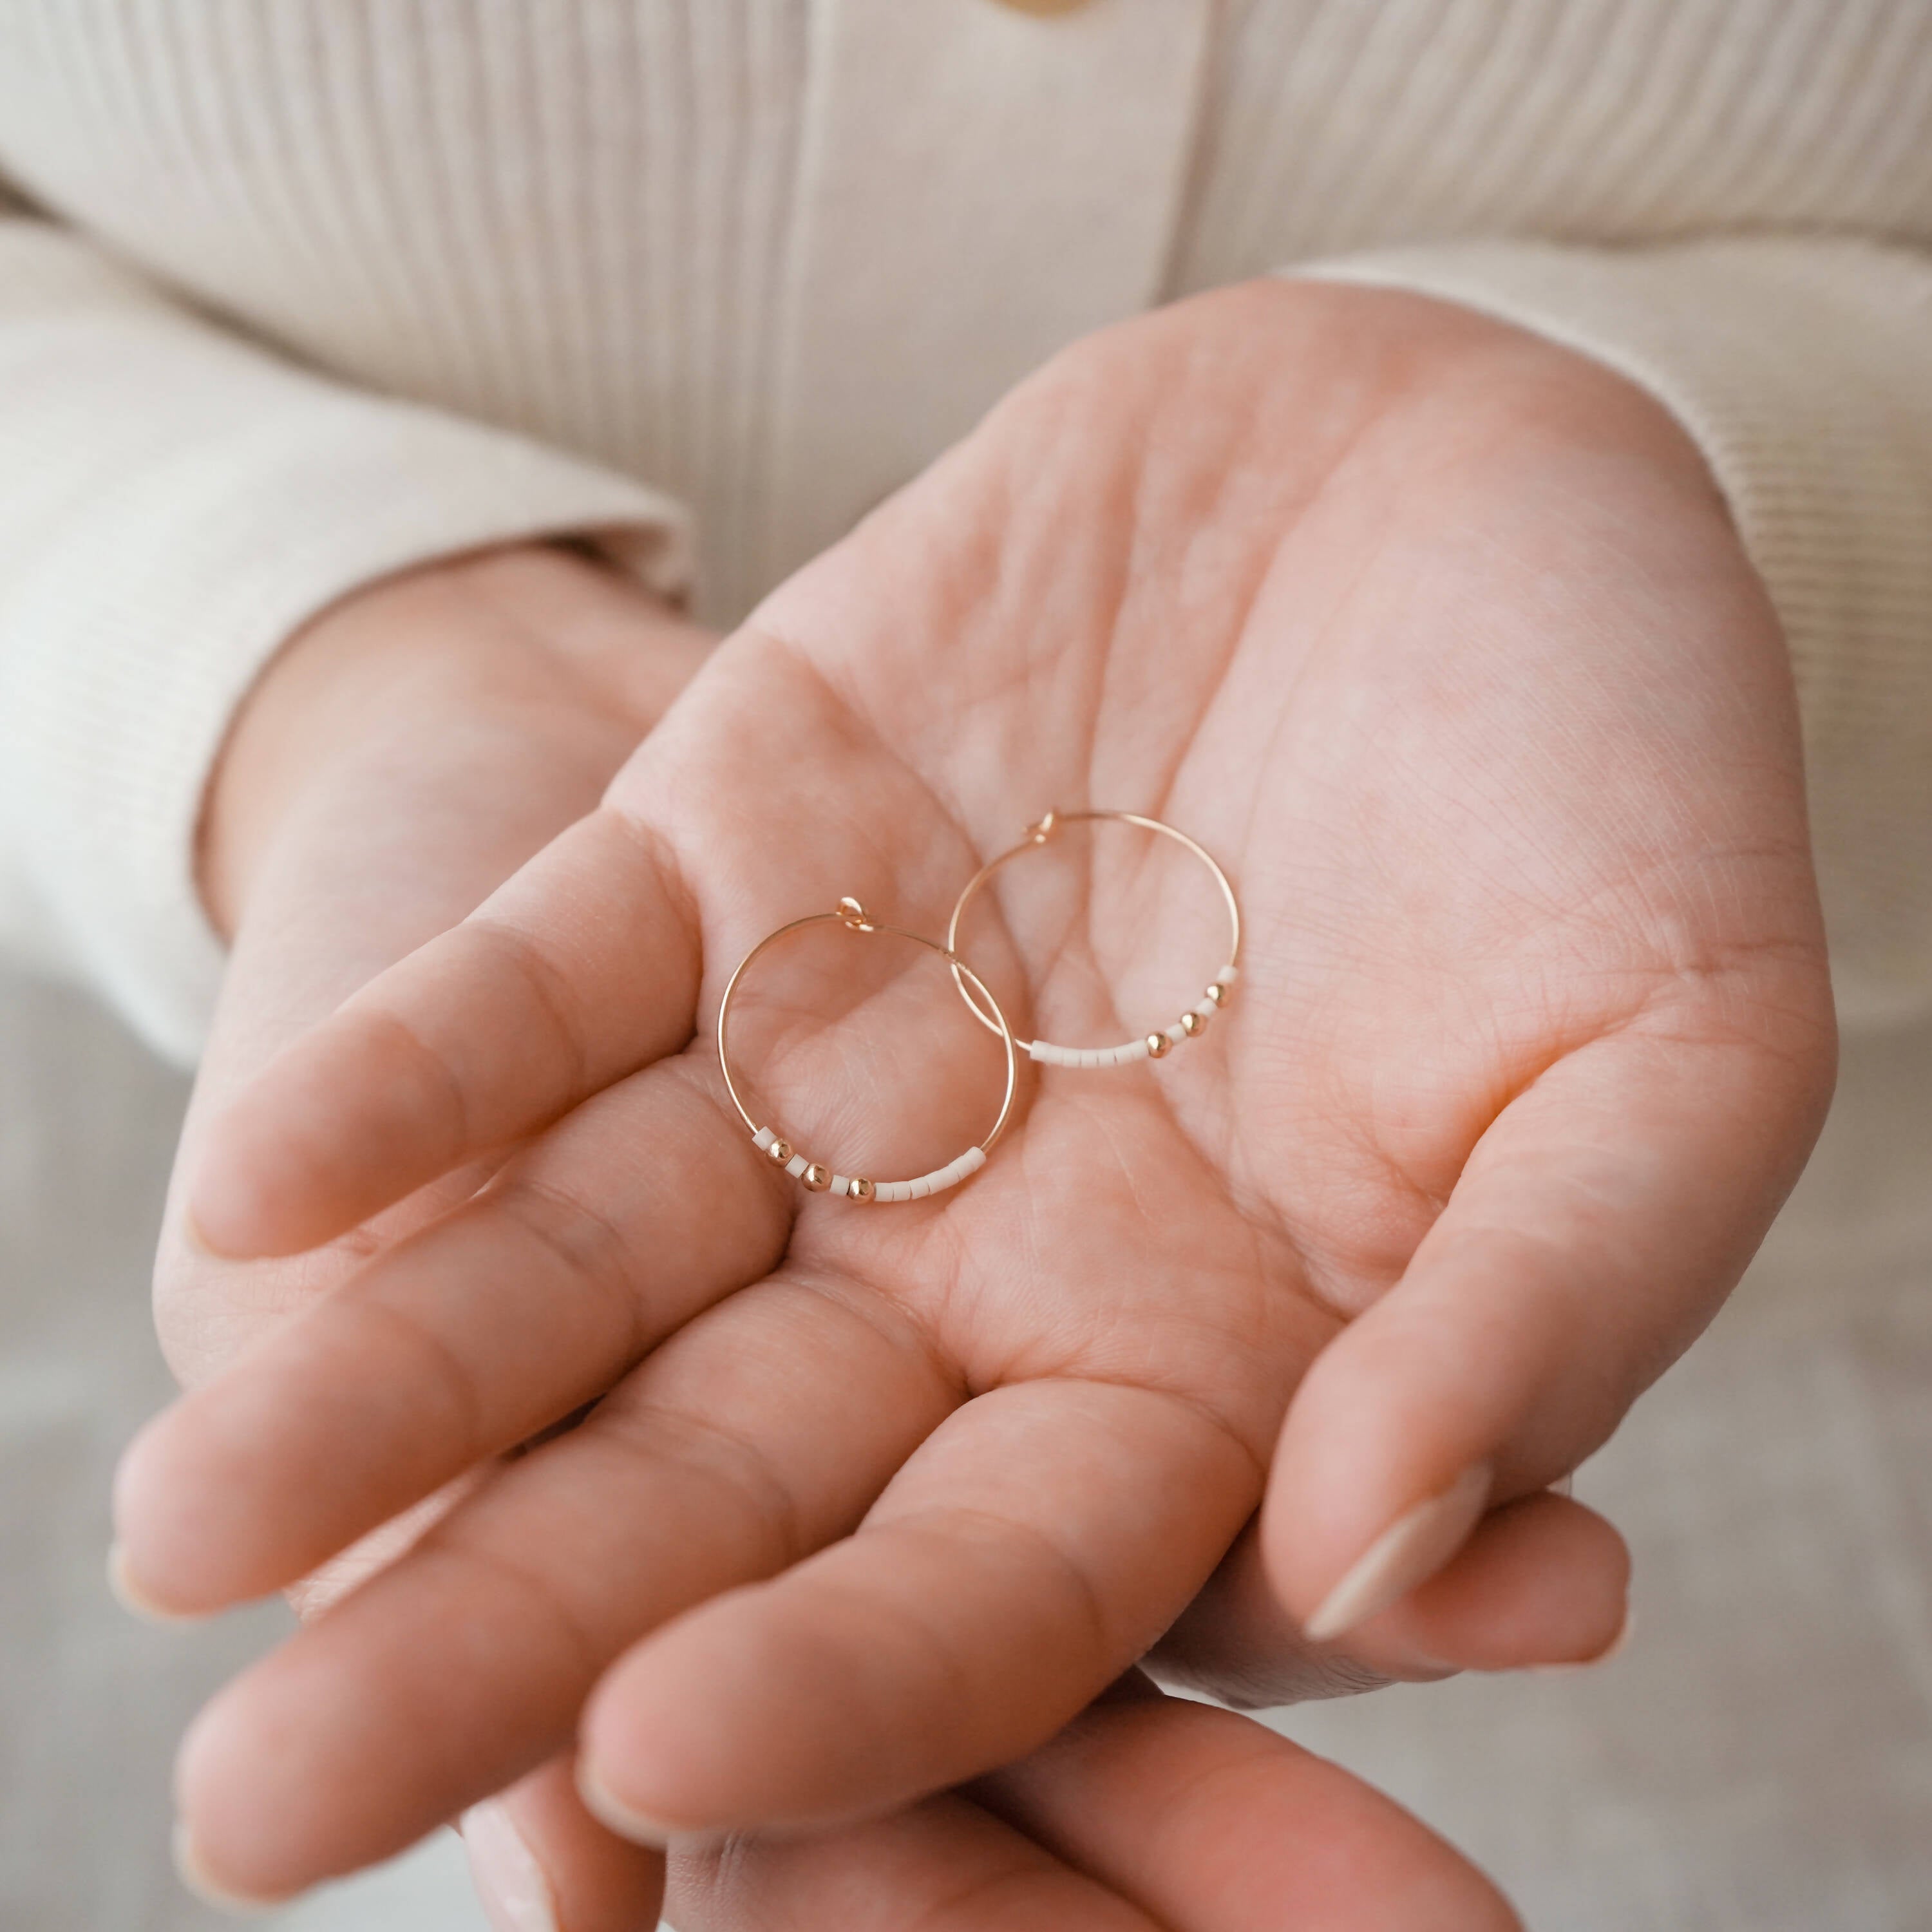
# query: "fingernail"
[194,1223]
[1620,1642]
[619,1816]
[1617,1646]
[193,1874]
[192,1239]
[1410,1550]
[515,1894]
[131,1598]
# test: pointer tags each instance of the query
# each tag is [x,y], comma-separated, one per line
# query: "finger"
[1542,1580]
[734,1450]
[1594,1231]
[1210,1823]
[455,1345]
[581,968]
[539,1859]
[1037,1543]
[942,1866]
[365,875]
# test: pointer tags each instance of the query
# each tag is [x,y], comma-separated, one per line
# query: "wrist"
[538,632]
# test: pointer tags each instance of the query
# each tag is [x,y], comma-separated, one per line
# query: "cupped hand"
[1439,638]
[397,762]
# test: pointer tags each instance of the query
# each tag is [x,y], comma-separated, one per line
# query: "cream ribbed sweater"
[303,293]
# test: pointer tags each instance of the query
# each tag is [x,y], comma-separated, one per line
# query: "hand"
[1148,1811]
[1438,637]
[397,761]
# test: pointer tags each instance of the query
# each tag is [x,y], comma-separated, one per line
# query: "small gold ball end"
[1159,1046]
[817,1178]
[861,1190]
[778,1152]
[1192,1024]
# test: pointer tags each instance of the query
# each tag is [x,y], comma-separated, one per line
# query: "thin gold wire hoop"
[814,1175]
[1155,1045]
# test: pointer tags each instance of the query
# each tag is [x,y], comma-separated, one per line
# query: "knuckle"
[545,995]
[593,1252]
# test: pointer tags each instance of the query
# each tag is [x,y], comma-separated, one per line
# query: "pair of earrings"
[817,1177]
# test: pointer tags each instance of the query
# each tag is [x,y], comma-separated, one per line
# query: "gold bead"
[778,1152]
[817,1178]
[1192,1024]
[1218,994]
[861,1190]
[1158,1046]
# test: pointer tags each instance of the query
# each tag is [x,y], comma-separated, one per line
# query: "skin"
[404,755]
[1439,638]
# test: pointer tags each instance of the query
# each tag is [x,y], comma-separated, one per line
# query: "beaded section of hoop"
[853,1187]
[1156,1045]
[815,1177]
[1048,1055]
[937,1182]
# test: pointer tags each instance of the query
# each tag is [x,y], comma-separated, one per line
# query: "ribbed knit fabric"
[569,263]
[149,561]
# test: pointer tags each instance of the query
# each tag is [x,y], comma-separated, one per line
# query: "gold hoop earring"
[815,1176]
[1155,1045]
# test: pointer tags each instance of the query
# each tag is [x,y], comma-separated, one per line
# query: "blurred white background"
[1759,1759]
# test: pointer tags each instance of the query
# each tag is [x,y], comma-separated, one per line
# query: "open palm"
[1437,637]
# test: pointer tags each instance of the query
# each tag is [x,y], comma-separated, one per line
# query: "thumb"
[1596,1226]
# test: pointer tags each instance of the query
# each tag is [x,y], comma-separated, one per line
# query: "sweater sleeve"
[1802,367]
[174,502]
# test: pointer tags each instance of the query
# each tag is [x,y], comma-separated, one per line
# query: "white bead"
[796,1165]
[763,1139]
[924,1186]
